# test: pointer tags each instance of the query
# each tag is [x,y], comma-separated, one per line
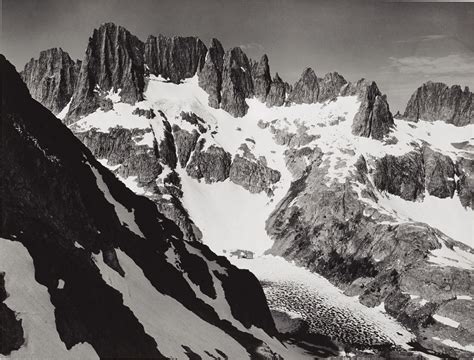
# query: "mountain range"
[359,223]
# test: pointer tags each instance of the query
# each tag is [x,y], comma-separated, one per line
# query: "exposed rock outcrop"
[236,82]
[175,58]
[185,143]
[165,148]
[373,118]
[306,89]
[261,78]
[149,114]
[251,173]
[119,146]
[439,173]
[11,330]
[210,77]
[277,93]
[436,101]
[194,120]
[329,229]
[212,164]
[330,86]
[51,79]
[465,184]
[113,61]
[403,176]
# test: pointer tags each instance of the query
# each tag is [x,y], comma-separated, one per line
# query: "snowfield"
[32,304]
[241,224]
[328,311]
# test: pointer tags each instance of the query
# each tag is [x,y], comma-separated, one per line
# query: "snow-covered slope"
[222,208]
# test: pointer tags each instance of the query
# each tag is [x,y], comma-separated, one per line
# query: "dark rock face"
[251,173]
[236,82]
[52,200]
[174,58]
[277,93]
[185,143]
[409,175]
[113,61]
[195,120]
[465,184]
[261,78]
[374,118]
[403,176]
[51,79]
[439,173]
[120,148]
[149,114]
[213,164]
[210,77]
[165,147]
[330,86]
[11,331]
[436,101]
[306,89]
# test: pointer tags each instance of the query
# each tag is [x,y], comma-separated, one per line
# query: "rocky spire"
[113,61]
[210,77]
[374,118]
[436,101]
[261,78]
[277,92]
[330,86]
[51,78]
[306,89]
[236,82]
[175,58]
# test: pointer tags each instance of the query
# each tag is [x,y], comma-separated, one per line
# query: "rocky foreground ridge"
[94,246]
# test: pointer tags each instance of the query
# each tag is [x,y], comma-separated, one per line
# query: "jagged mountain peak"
[118,61]
[52,78]
[434,101]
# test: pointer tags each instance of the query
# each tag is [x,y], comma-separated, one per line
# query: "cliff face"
[96,247]
[175,58]
[51,79]
[113,62]
[436,101]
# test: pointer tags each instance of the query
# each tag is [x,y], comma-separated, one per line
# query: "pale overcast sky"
[400,45]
